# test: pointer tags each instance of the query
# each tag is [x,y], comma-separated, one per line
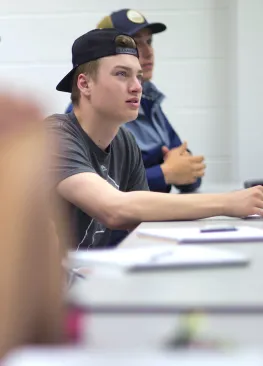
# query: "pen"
[218,229]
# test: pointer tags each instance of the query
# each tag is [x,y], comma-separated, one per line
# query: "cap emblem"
[135,17]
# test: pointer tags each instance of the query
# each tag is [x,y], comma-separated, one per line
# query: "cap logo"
[135,17]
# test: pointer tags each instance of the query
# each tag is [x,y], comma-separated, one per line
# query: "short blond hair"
[89,68]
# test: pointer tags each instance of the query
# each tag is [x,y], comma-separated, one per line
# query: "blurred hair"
[31,277]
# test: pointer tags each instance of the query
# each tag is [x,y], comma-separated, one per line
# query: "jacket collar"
[150,92]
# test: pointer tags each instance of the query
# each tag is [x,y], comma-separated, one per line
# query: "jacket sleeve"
[152,160]
[156,180]
[69,108]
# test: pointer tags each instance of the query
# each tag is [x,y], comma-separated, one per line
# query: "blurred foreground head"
[31,306]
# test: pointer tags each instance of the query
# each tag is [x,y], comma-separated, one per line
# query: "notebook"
[194,235]
[157,258]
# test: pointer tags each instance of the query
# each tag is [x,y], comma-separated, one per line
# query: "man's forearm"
[124,210]
[136,207]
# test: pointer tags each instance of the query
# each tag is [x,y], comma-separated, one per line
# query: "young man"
[98,166]
[160,145]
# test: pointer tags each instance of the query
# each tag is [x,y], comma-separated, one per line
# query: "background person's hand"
[180,167]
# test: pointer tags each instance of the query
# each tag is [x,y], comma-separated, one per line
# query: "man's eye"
[121,73]
[149,41]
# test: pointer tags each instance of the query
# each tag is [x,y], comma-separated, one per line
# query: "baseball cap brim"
[65,85]
[154,27]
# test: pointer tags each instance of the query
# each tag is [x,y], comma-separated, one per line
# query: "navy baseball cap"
[129,21]
[91,46]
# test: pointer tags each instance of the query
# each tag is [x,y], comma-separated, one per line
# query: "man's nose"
[136,86]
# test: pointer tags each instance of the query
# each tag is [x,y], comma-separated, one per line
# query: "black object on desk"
[253,182]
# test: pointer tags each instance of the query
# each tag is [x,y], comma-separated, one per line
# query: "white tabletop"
[214,290]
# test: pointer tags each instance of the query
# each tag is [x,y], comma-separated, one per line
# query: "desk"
[231,297]
[68,356]
[215,290]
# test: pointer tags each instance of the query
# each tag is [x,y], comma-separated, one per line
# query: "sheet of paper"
[164,256]
[194,235]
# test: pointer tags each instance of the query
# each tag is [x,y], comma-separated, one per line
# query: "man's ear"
[84,84]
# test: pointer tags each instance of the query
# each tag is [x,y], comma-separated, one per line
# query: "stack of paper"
[156,258]
[195,235]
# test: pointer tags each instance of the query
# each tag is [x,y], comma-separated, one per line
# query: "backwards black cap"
[91,46]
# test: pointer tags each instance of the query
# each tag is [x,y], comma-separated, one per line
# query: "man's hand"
[180,167]
[244,202]
[182,150]
[165,152]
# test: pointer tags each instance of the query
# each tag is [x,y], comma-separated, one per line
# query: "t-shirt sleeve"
[68,155]
[137,179]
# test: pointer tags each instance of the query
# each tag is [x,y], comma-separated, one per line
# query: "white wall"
[192,62]
[191,70]
[250,88]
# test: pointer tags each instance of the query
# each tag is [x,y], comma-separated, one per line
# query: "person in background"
[167,160]
[31,276]
[98,167]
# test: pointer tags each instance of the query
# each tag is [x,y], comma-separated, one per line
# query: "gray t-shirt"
[121,165]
